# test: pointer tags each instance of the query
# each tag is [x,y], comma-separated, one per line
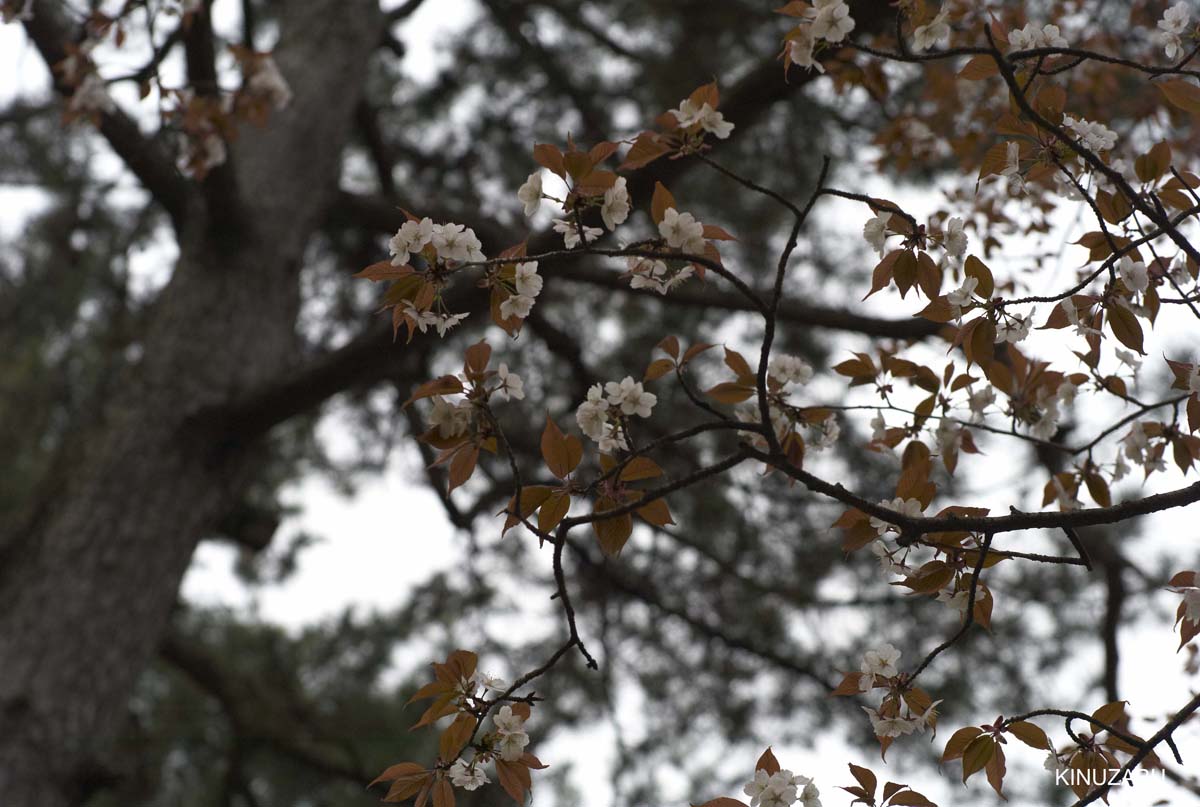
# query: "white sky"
[366,558]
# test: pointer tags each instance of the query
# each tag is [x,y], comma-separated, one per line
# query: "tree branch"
[145,158]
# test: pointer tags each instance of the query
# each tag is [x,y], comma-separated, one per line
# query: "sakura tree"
[1030,89]
[1018,101]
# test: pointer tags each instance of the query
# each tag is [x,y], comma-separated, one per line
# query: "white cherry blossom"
[1013,328]
[954,239]
[449,419]
[800,49]
[889,726]
[1030,37]
[410,238]
[530,193]
[1191,604]
[570,232]
[963,295]
[710,120]
[527,280]
[931,33]
[454,242]
[681,231]
[1133,274]
[468,777]
[628,396]
[831,20]
[905,507]
[1094,136]
[875,231]
[790,369]
[511,385]
[881,661]
[1171,29]
[516,305]
[615,208]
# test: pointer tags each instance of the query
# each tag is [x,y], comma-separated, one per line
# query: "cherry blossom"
[881,661]
[516,305]
[1130,360]
[530,193]
[410,238]
[800,49]
[954,239]
[878,428]
[889,726]
[527,280]
[1094,136]
[935,31]
[615,208]
[1133,274]
[1013,328]
[682,231]
[1172,27]
[445,322]
[483,680]
[978,401]
[646,273]
[889,565]
[962,296]
[875,231]
[790,369]
[906,507]
[449,419]
[592,414]
[512,736]
[511,384]
[781,789]
[1030,37]
[832,20]
[454,242]
[468,777]
[421,319]
[628,396]
[1012,165]
[689,114]
[1191,603]
[823,435]
[570,232]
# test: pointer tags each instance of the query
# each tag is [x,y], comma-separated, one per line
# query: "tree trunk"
[87,585]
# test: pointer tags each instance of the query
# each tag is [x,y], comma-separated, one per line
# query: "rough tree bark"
[88,581]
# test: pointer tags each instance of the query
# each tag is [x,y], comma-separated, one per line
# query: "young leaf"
[767,762]
[660,202]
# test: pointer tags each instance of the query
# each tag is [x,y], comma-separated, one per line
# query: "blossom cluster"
[953,238]
[602,416]
[689,114]
[1031,36]
[615,206]
[1171,29]
[781,789]
[825,21]
[784,372]
[454,419]
[507,742]
[894,717]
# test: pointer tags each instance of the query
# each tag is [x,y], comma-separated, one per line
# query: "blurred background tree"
[141,415]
